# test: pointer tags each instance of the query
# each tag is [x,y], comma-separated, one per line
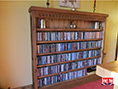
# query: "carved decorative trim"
[68,16]
[55,13]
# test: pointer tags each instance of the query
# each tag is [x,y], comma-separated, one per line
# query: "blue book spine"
[56,36]
[74,56]
[56,79]
[53,69]
[85,52]
[48,81]
[38,60]
[42,49]
[81,45]
[68,46]
[62,46]
[71,46]
[43,60]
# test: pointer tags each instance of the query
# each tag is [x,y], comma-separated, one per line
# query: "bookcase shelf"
[65,44]
[66,41]
[43,54]
[68,30]
[44,65]
[65,72]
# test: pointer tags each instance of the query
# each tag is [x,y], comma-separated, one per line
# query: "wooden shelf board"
[72,83]
[44,65]
[64,72]
[67,30]
[60,52]
[65,41]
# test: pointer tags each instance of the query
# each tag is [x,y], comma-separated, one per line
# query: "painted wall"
[15,43]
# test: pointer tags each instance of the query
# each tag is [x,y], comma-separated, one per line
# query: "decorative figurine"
[73,25]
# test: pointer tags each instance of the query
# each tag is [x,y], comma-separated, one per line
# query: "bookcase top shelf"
[68,30]
[44,9]
[54,13]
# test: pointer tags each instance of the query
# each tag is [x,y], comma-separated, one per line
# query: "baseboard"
[25,87]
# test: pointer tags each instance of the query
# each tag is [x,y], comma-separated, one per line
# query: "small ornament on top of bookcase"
[41,23]
[98,25]
[73,25]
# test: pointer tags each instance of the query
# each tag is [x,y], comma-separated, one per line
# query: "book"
[61,36]
[65,46]
[58,68]
[74,46]
[56,35]
[52,59]
[48,59]
[53,47]
[48,80]
[38,36]
[58,78]
[82,35]
[69,56]
[40,82]
[59,58]
[69,75]
[48,36]
[68,36]
[85,54]
[52,79]
[72,35]
[62,46]
[71,46]
[75,36]
[65,36]
[78,35]
[58,47]
[62,67]
[62,57]
[73,56]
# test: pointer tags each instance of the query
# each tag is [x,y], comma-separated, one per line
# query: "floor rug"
[93,85]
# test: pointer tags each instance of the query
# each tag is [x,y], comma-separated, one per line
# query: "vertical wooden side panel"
[34,50]
[103,41]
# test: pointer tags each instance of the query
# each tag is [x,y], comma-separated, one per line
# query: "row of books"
[67,66]
[61,77]
[53,36]
[67,56]
[55,47]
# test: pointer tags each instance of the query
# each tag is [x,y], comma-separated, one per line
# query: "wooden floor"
[67,84]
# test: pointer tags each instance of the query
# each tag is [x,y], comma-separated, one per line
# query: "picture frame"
[69,3]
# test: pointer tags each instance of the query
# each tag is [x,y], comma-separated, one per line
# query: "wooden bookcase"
[60,51]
